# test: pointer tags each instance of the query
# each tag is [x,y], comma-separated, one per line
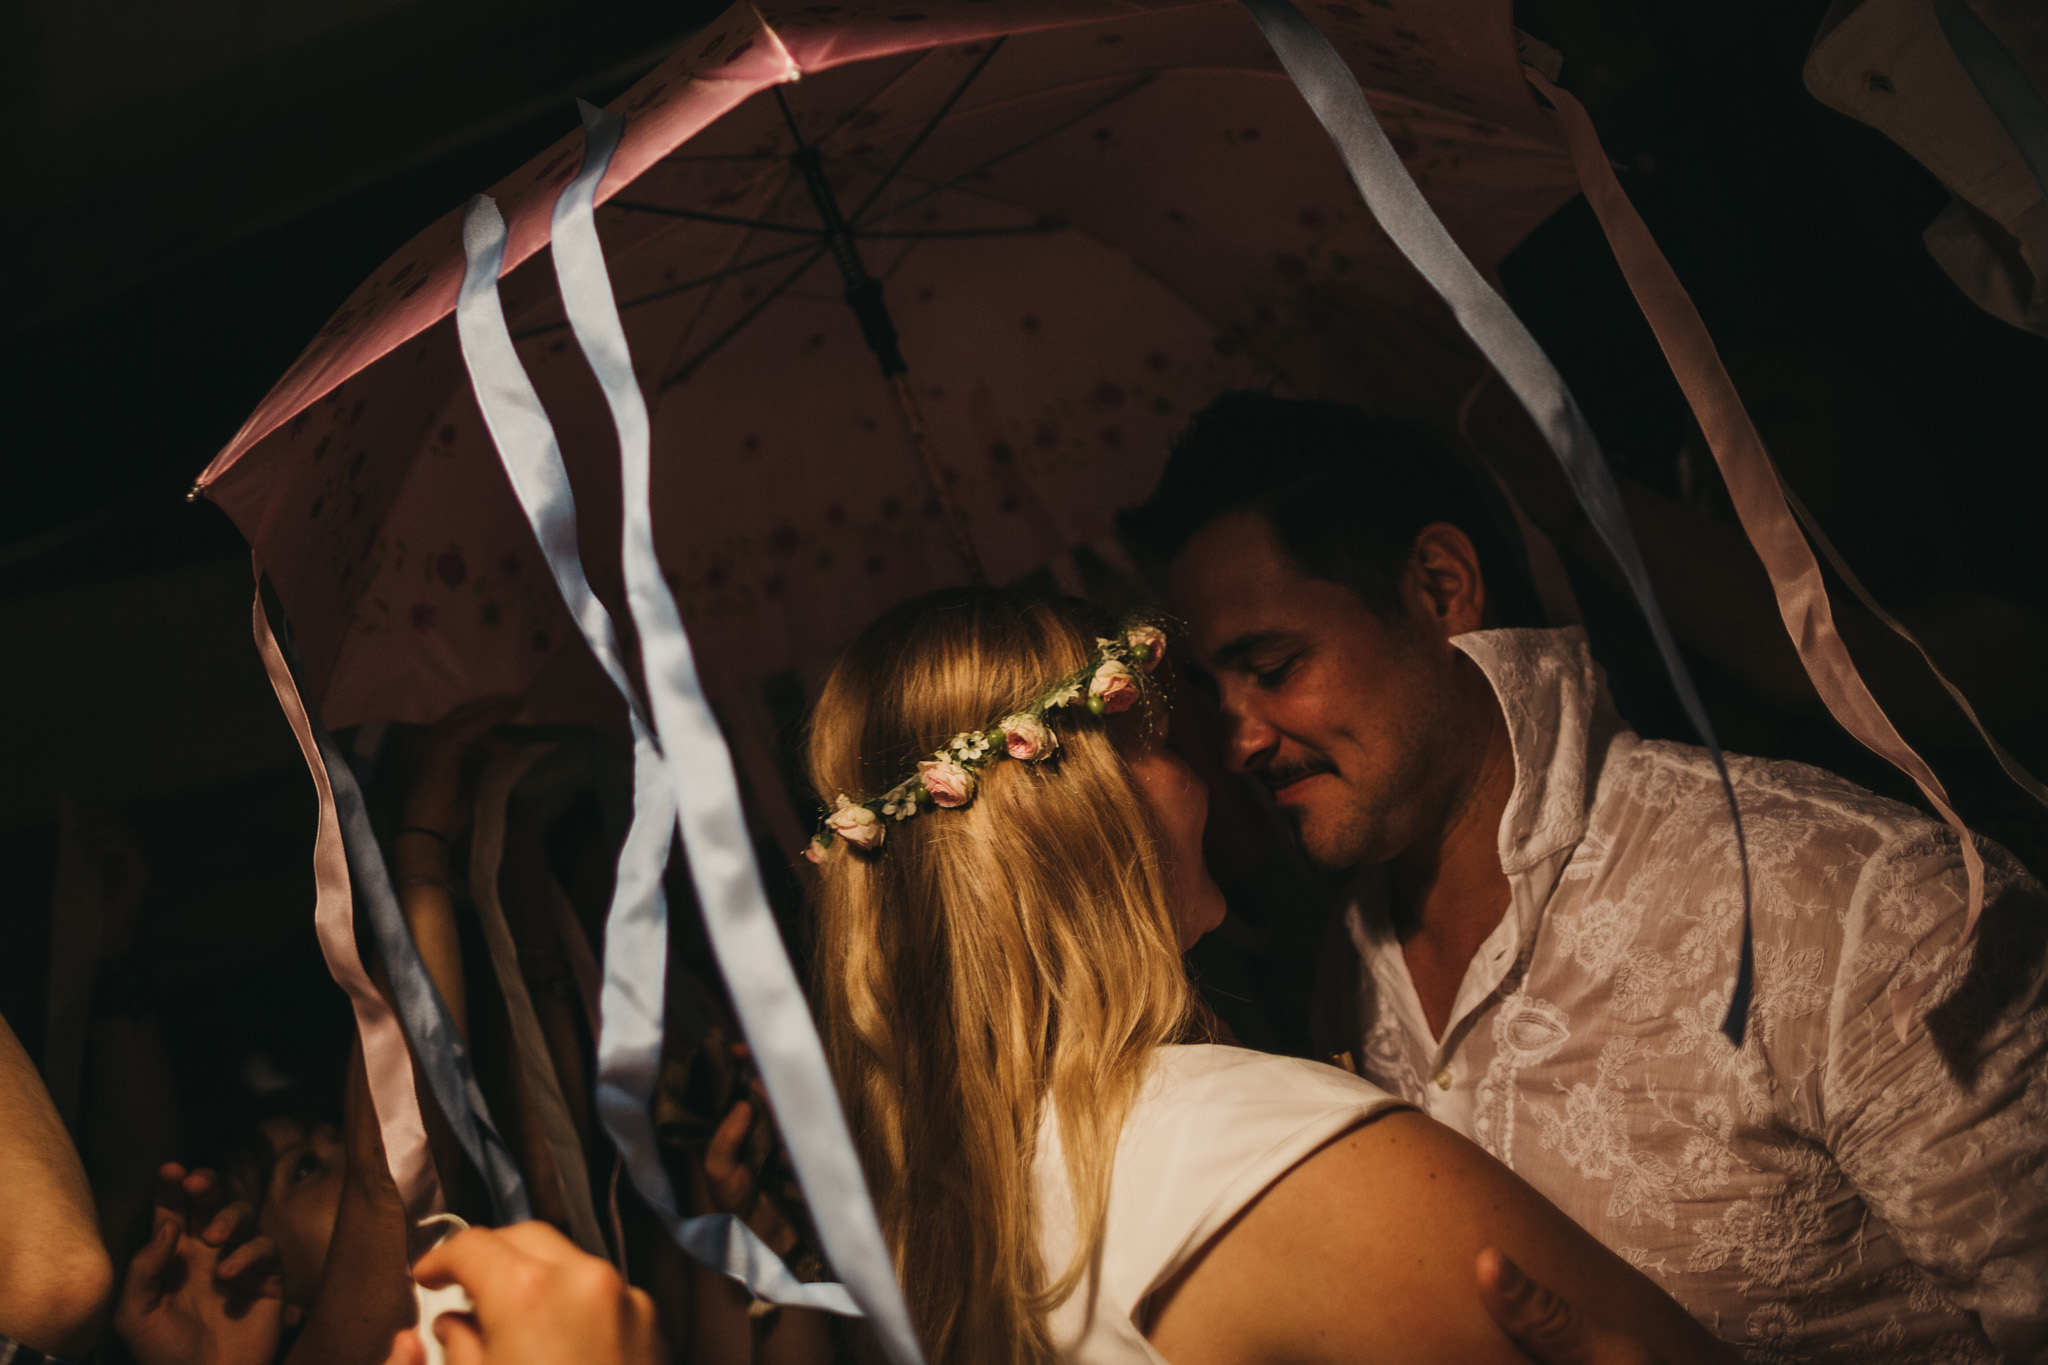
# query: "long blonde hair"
[987,961]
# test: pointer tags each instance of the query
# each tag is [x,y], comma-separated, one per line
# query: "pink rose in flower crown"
[1148,643]
[856,824]
[816,851]
[1027,737]
[950,784]
[1114,686]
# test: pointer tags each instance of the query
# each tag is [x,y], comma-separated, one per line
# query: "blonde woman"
[1009,873]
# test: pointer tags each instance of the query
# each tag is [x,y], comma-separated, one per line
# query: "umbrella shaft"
[878,329]
[863,291]
[935,474]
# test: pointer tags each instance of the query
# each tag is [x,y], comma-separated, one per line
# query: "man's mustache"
[1279,775]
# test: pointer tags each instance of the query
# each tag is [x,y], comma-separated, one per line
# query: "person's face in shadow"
[1180,804]
[300,1204]
[1366,730]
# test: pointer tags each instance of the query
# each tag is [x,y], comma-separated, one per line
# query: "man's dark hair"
[1345,492]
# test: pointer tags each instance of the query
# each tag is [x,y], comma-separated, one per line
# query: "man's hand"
[1547,1329]
[539,1301]
[213,1296]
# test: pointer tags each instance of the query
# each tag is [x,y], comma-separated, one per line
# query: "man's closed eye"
[1277,674]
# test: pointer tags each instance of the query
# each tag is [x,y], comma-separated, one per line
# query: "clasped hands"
[208,1288]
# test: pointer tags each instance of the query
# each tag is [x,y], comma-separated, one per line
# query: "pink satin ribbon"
[385,1056]
[1759,500]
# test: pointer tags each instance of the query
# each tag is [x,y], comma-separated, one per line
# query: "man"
[1548,914]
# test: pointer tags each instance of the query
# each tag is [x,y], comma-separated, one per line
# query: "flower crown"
[1110,682]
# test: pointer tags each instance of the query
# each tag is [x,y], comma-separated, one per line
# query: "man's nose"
[1249,741]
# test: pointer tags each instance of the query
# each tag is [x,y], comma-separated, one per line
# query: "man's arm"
[55,1276]
[1946,1135]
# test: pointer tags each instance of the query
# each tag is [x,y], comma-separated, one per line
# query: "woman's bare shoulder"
[1365,1251]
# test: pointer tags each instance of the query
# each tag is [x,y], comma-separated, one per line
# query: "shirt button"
[1442,1078]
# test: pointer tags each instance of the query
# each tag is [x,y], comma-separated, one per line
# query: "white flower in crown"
[901,803]
[1148,643]
[970,746]
[1112,689]
[856,824]
[1027,737]
[1061,696]
[950,784]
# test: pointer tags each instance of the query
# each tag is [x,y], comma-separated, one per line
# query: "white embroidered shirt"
[1825,1192]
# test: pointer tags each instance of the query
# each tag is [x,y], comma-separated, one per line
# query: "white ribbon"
[683,776]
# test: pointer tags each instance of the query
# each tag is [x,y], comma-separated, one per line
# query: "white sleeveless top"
[1210,1129]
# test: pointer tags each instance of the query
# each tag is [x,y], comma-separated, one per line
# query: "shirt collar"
[1560,722]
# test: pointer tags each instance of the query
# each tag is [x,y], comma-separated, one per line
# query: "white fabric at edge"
[1210,1130]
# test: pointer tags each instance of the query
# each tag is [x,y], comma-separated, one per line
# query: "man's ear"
[1444,570]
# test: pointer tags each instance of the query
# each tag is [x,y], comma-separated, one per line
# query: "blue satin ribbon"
[1395,201]
[437,1044]
[2001,81]
[763,986]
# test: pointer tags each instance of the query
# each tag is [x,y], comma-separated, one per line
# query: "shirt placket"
[1449,1066]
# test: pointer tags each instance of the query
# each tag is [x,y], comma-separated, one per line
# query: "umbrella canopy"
[1086,219]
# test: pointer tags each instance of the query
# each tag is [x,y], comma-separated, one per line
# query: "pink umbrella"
[1123,210]
[1060,228]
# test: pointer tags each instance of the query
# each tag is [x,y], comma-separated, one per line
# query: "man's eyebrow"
[1234,650]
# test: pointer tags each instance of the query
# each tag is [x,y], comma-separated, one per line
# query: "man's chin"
[1328,842]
